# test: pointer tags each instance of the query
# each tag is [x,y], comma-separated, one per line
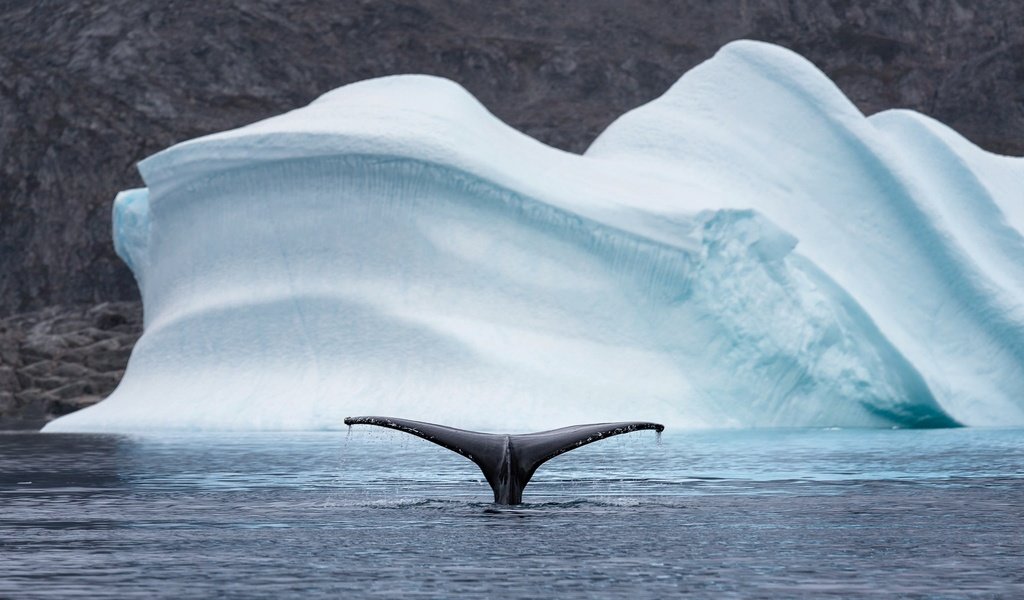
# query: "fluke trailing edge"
[508,461]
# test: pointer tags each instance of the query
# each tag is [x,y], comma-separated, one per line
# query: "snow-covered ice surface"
[748,250]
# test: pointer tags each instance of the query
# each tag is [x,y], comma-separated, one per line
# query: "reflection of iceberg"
[747,250]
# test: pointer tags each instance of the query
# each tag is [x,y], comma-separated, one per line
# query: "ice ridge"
[748,250]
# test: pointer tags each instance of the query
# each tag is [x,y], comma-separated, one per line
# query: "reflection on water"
[381,513]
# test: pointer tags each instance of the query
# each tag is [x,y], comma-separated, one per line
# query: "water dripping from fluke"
[508,461]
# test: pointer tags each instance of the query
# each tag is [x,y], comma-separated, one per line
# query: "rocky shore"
[62,358]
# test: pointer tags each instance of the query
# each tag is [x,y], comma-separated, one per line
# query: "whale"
[508,461]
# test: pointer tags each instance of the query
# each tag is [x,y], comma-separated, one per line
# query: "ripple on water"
[810,512]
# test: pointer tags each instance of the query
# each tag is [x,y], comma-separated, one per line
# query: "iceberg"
[748,250]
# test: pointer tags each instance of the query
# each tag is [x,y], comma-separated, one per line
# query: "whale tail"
[508,461]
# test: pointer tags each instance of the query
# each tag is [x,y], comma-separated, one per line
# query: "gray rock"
[55,407]
[39,368]
[70,391]
[70,370]
[9,380]
[106,361]
[58,360]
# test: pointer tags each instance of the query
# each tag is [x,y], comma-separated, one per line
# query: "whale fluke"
[508,461]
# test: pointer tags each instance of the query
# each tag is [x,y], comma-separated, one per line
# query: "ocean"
[739,513]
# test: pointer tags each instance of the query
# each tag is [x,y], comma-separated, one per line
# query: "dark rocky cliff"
[87,88]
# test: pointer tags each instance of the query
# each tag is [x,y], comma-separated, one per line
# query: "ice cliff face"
[747,250]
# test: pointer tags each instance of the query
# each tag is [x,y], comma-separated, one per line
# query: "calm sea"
[937,514]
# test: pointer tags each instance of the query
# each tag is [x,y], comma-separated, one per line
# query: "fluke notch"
[508,461]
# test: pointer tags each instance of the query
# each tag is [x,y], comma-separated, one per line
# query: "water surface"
[742,513]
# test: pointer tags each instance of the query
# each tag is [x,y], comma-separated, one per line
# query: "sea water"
[937,513]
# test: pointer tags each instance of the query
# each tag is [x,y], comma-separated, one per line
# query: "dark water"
[711,514]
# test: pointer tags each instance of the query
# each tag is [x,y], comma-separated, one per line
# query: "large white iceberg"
[748,250]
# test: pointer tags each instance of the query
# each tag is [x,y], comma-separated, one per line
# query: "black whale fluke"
[508,461]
